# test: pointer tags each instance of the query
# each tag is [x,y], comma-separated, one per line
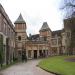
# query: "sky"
[35,12]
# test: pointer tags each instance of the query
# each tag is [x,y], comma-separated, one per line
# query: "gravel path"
[28,68]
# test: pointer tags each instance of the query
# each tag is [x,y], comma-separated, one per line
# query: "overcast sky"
[35,12]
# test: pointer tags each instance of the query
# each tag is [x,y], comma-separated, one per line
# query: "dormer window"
[19,38]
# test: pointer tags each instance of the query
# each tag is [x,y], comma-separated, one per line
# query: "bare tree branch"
[70,4]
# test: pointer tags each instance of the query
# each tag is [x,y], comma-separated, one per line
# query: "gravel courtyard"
[28,68]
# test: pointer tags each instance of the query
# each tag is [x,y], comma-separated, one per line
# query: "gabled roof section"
[44,27]
[19,19]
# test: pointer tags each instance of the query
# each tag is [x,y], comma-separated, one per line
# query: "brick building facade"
[8,33]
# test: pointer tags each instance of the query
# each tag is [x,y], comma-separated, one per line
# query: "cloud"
[35,12]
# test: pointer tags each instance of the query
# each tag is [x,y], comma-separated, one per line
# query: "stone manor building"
[34,46]
[15,43]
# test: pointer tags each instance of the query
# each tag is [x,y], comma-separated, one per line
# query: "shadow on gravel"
[1,74]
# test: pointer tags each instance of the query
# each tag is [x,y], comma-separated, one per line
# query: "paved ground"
[28,68]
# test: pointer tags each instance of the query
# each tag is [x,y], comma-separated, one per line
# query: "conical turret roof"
[19,19]
[44,27]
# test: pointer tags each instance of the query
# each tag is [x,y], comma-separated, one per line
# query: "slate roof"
[19,20]
[34,37]
[58,33]
[44,27]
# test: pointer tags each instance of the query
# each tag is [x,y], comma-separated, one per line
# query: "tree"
[69,6]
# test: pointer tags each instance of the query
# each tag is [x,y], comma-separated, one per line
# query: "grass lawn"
[58,65]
